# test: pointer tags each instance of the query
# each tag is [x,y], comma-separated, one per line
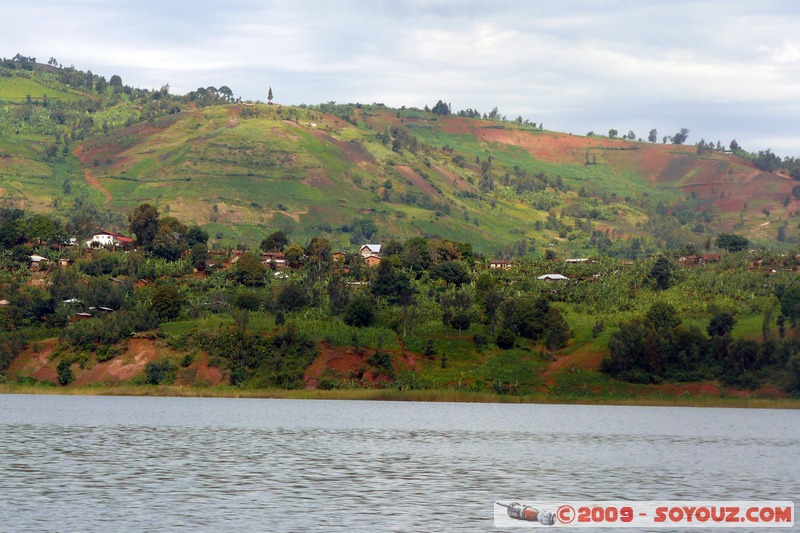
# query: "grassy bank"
[399,396]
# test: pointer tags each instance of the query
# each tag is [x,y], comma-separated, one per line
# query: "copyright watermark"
[690,514]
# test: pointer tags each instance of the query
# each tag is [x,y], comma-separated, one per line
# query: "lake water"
[158,464]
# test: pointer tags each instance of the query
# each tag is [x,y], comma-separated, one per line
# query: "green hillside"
[353,173]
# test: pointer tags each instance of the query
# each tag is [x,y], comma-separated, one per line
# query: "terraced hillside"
[353,173]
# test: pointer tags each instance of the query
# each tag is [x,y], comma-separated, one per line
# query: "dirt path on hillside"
[91,180]
[573,361]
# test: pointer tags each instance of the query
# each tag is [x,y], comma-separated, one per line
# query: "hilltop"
[352,172]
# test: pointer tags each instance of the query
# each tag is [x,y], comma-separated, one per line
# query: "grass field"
[17,89]
[398,396]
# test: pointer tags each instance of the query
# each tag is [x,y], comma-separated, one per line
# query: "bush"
[160,372]
[360,312]
[382,362]
[64,369]
[106,353]
[167,302]
[292,297]
[506,338]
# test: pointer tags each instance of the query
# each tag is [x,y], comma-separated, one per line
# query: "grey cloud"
[723,69]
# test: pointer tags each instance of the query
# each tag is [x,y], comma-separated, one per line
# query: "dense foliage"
[654,298]
[423,293]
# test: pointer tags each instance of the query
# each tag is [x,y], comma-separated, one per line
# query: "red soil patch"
[566,363]
[122,368]
[38,364]
[416,180]
[91,180]
[547,146]
[347,363]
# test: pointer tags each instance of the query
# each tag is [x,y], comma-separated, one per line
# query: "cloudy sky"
[724,69]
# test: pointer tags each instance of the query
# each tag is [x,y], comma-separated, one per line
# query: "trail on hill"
[91,180]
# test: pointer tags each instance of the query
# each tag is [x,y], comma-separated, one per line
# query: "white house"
[108,239]
[371,249]
[553,277]
[36,261]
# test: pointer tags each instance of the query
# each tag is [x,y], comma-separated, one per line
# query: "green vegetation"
[237,169]
[682,258]
[430,316]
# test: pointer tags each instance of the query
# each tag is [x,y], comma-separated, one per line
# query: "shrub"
[360,312]
[167,302]
[160,372]
[506,338]
[64,369]
[382,362]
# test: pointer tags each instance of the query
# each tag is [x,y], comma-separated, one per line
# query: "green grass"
[16,89]
[396,395]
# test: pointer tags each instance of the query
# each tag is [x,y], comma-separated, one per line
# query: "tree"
[167,302]
[143,223]
[735,146]
[295,255]
[664,317]
[526,316]
[731,242]
[612,133]
[269,95]
[170,239]
[721,324]
[661,273]
[395,247]
[360,312]
[415,254]
[292,297]
[790,303]
[681,136]
[557,331]
[275,242]
[319,251]
[450,272]
[199,256]
[767,161]
[627,348]
[461,321]
[391,283]
[441,109]
[653,137]
[196,235]
[249,270]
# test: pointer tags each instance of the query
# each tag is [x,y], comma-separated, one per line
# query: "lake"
[94,463]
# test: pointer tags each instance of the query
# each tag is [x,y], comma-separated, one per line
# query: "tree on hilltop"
[441,109]
[269,95]
[681,136]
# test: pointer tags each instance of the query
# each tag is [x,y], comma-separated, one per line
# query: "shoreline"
[402,396]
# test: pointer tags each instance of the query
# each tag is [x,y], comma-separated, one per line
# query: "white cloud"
[722,69]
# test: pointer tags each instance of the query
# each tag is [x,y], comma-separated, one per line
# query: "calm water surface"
[146,464]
